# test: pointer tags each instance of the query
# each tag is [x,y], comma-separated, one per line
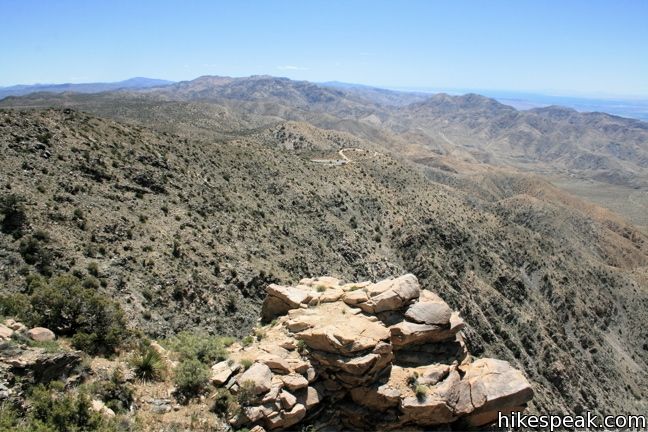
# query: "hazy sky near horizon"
[576,47]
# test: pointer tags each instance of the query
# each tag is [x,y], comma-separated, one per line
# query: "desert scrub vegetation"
[14,216]
[246,395]
[191,377]
[53,409]
[116,393]
[246,363]
[35,251]
[148,364]
[63,304]
[420,391]
[205,348]
[224,402]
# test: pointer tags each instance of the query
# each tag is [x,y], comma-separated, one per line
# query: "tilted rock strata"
[381,355]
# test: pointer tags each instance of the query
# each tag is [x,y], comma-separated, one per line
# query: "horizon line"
[401,88]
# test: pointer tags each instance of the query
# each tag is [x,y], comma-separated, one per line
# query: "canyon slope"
[186,229]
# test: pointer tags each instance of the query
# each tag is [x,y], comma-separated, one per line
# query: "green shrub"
[34,282]
[15,305]
[91,283]
[246,395]
[55,410]
[421,392]
[177,250]
[14,217]
[93,269]
[191,377]
[34,251]
[202,347]
[115,393]
[247,340]
[223,402]
[148,364]
[8,418]
[96,323]
[246,363]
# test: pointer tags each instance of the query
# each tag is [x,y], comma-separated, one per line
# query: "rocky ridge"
[367,355]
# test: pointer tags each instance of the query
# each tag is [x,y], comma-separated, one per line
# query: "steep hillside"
[187,233]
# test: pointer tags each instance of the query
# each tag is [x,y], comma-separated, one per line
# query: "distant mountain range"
[132,83]
[429,129]
[625,107]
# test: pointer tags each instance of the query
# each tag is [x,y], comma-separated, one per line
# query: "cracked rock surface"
[377,356]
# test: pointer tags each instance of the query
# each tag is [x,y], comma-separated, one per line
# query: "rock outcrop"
[383,355]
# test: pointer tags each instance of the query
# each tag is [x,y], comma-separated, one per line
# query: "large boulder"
[281,299]
[38,366]
[391,294]
[489,386]
[407,333]
[429,313]
[259,375]
[41,334]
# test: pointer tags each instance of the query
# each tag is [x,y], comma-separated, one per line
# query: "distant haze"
[631,108]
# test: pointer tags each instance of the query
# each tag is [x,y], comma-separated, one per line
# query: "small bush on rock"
[421,392]
[246,395]
[223,402]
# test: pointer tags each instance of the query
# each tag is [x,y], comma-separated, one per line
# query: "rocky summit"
[364,356]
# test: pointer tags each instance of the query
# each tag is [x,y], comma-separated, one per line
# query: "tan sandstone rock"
[260,375]
[41,334]
[385,356]
[281,299]
[5,332]
[222,371]
[429,313]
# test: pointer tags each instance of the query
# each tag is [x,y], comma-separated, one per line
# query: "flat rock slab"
[281,299]
[429,313]
[221,372]
[343,334]
[294,381]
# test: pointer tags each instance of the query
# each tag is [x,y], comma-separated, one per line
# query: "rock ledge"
[383,355]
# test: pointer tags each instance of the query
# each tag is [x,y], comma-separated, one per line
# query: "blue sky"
[594,48]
